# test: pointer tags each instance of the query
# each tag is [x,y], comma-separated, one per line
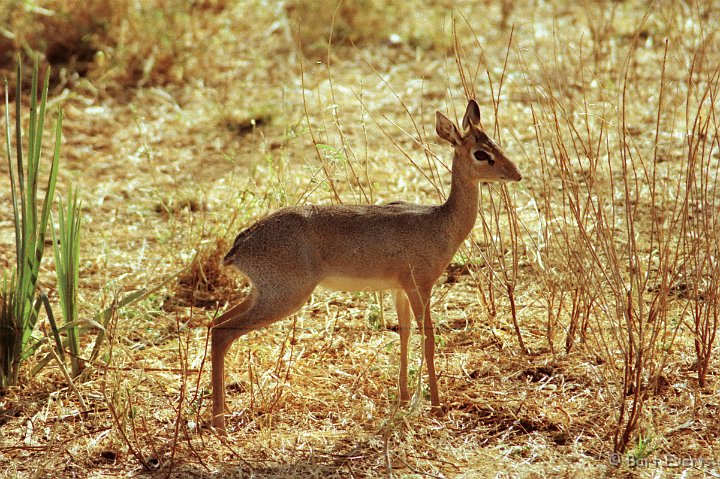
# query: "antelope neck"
[460,208]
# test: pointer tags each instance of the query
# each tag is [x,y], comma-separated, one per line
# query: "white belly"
[350,283]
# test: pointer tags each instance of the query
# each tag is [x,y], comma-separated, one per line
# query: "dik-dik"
[399,246]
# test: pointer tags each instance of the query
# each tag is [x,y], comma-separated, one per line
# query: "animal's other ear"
[446,129]
[472,115]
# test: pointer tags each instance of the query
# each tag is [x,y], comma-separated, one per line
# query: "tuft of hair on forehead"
[484,138]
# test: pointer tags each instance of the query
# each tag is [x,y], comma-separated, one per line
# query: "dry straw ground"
[186,120]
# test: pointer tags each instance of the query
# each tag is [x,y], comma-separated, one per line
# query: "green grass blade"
[11,169]
[49,192]
[41,116]
[60,261]
[33,116]
[22,351]
[21,224]
[18,137]
[74,253]
[32,165]
[53,326]
[59,264]
[40,126]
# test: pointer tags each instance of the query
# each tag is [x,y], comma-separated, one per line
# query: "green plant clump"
[67,267]
[19,299]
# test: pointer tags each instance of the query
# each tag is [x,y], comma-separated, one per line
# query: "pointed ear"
[446,129]
[472,115]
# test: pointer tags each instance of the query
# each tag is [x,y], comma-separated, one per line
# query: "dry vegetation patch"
[187,120]
[206,282]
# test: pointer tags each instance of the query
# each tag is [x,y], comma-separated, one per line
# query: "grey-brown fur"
[400,246]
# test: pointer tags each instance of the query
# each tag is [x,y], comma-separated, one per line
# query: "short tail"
[228,259]
[234,251]
[230,256]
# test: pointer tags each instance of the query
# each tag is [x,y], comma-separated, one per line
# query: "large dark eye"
[482,155]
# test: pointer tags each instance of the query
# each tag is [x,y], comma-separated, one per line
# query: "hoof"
[437,411]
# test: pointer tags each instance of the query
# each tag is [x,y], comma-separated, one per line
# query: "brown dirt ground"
[164,171]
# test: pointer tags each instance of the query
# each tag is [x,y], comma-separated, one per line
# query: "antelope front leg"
[420,302]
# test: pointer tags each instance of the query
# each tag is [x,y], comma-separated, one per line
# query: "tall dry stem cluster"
[501,246]
[700,243]
[629,244]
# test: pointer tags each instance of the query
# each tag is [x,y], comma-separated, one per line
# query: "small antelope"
[400,246]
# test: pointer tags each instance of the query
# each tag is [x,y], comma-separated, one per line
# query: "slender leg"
[221,342]
[402,306]
[420,302]
[263,308]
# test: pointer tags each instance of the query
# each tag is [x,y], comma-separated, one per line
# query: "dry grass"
[109,45]
[206,283]
[195,118]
